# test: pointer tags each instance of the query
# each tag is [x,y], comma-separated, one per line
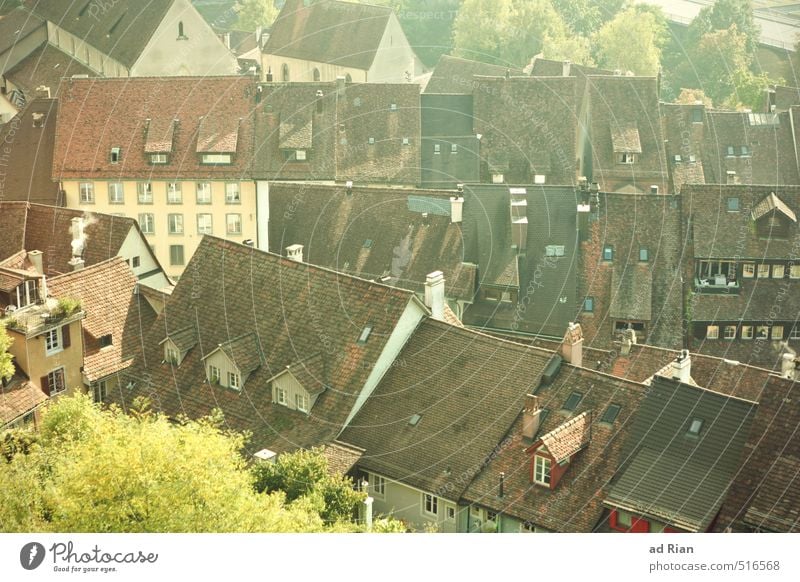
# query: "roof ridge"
[96,266]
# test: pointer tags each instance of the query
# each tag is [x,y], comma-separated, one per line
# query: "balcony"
[35,319]
[718,284]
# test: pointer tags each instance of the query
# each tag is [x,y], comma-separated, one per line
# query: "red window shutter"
[639,526]
[45,385]
[65,336]
[612,519]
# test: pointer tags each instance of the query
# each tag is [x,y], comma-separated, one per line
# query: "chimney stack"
[340,83]
[502,483]
[434,294]
[36,258]
[565,68]
[789,366]
[572,346]
[295,253]
[682,367]
[531,417]
[456,208]
[76,263]
[42,92]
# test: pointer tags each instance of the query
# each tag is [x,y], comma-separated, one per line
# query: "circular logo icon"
[31,555]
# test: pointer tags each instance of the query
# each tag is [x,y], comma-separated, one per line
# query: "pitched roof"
[567,439]
[48,229]
[328,31]
[214,115]
[15,26]
[528,127]
[764,495]
[18,398]
[676,476]
[625,138]
[121,30]
[244,352]
[452,379]
[296,132]
[107,295]
[184,339]
[372,233]
[46,66]
[716,231]
[310,372]
[576,504]
[28,154]
[768,204]
[454,75]
[631,291]
[160,135]
[294,310]
[341,457]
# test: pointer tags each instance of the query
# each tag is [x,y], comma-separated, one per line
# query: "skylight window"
[695,427]
[611,413]
[573,401]
[414,420]
[368,243]
[365,333]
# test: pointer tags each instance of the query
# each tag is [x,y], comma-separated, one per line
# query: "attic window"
[437,148]
[362,339]
[216,159]
[731,151]
[116,154]
[677,158]
[539,179]
[554,250]
[453,148]
[393,107]
[573,401]
[414,420]
[695,427]
[498,178]
[368,243]
[608,253]
[733,204]
[627,158]
[644,254]
[731,177]
[588,304]
[697,116]
[371,141]
[541,470]
[406,141]
[158,159]
[611,413]
[744,150]
[105,340]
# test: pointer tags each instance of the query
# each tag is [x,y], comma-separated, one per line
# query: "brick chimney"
[682,367]
[434,294]
[572,346]
[531,417]
[295,253]
[565,68]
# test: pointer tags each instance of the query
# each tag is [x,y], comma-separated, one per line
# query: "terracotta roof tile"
[567,439]
[625,138]
[453,75]
[15,26]
[17,399]
[46,66]
[341,457]
[770,203]
[218,133]
[160,135]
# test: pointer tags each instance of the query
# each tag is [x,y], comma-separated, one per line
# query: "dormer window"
[541,470]
[627,158]
[364,336]
[116,155]
[437,148]
[611,413]
[393,107]
[171,355]
[217,159]
[301,402]
[406,141]
[644,254]
[27,293]
[371,141]
[158,159]
[539,179]
[453,148]
[498,178]
[731,151]
[234,380]
[213,374]
[745,150]
[298,386]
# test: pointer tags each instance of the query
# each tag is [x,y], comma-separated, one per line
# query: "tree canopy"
[6,363]
[254,13]
[631,41]
[94,470]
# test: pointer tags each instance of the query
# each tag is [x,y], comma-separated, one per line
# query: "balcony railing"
[716,285]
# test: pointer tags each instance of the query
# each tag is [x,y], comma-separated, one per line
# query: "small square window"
[747,332]
[136,262]
[697,116]
[393,107]
[573,401]
[176,255]
[608,253]
[498,178]
[795,333]
[731,151]
[763,271]
[762,331]
[644,254]
[300,155]
[712,332]
[406,141]
[539,179]
[778,271]
[794,271]
[748,270]
[116,155]
[745,150]
[730,332]
[371,141]
[453,148]
[695,427]
[105,340]
[588,304]
[777,332]
[627,158]
[437,148]
[733,204]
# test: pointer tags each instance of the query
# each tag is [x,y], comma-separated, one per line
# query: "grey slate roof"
[631,291]
[671,475]
[454,75]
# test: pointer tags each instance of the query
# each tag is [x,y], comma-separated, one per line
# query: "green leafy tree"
[574,48]
[303,475]
[582,16]
[719,59]
[630,42]
[692,96]
[93,470]
[6,361]
[254,13]
[721,15]
[506,32]
[428,25]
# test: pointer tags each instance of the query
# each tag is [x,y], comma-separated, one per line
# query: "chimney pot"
[531,417]
[434,294]
[682,367]
[295,253]
[502,483]
[572,346]
[36,258]
[456,209]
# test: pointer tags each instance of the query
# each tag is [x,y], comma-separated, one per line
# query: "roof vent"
[414,420]
[295,253]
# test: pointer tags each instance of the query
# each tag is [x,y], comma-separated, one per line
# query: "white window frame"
[52,383]
[53,341]
[174,193]
[762,272]
[144,192]
[727,332]
[498,178]
[214,374]
[749,270]
[747,332]
[712,332]
[777,332]
[233,193]
[301,402]
[762,328]
[281,396]
[542,470]
[627,158]
[147,222]
[158,159]
[234,380]
[450,513]
[539,179]
[175,223]
[217,159]
[778,271]
[86,192]
[794,333]
[116,193]
[228,229]
[430,505]
[300,156]
[171,355]
[377,486]
[794,271]
[202,228]
[203,188]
